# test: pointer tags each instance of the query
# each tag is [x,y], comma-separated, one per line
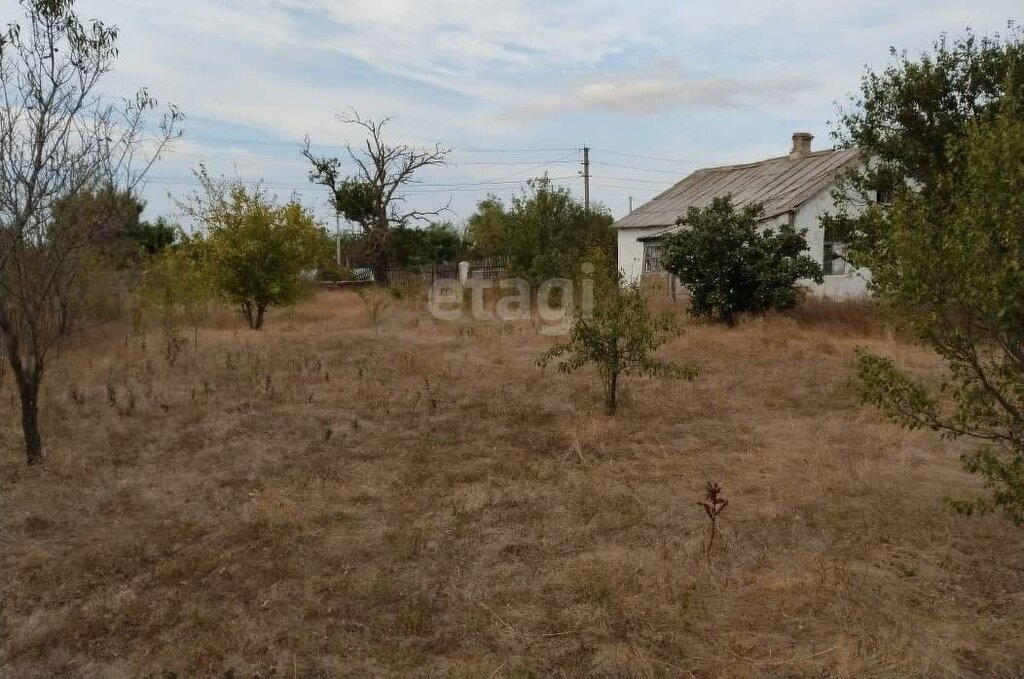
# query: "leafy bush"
[176,284]
[733,265]
[255,253]
[332,272]
[436,243]
[619,337]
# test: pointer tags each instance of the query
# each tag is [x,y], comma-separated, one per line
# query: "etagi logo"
[554,304]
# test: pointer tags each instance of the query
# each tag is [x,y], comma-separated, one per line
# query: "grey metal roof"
[780,184]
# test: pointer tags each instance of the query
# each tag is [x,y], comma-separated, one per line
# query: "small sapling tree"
[619,337]
[60,139]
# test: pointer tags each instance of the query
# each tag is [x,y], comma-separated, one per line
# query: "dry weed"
[312,502]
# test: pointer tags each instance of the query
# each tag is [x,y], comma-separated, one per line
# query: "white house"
[794,189]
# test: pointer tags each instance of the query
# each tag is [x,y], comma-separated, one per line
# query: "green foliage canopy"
[435,243]
[486,229]
[255,252]
[903,118]
[732,265]
[955,271]
[113,215]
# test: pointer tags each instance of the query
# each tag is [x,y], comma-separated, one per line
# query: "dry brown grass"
[312,501]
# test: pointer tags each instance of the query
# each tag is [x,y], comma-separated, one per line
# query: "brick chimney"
[801,144]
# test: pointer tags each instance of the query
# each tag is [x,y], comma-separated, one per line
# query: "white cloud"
[663,87]
[249,62]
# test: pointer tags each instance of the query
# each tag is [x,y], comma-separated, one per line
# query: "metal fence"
[488,268]
[428,273]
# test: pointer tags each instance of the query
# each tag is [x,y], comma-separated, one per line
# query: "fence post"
[463,272]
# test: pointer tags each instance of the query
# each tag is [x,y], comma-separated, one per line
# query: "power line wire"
[634,167]
[684,161]
[172,181]
[342,145]
[297,161]
[659,182]
[635,189]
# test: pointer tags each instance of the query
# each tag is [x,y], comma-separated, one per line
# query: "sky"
[656,88]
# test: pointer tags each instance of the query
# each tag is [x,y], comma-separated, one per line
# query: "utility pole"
[586,178]
[337,239]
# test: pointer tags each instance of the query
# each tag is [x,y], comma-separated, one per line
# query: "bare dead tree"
[58,139]
[373,196]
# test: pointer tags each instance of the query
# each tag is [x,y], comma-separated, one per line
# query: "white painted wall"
[848,285]
[851,285]
[631,251]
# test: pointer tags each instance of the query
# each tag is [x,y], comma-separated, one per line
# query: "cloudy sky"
[515,87]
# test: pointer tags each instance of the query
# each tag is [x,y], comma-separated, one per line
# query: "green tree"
[256,253]
[955,271]
[618,335]
[487,229]
[374,195]
[151,238]
[732,265]
[545,233]
[903,118]
[435,243]
[121,237]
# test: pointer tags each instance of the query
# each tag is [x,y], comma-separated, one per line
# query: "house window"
[884,191]
[834,258]
[652,257]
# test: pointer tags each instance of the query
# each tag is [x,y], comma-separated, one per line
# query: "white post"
[337,239]
[463,272]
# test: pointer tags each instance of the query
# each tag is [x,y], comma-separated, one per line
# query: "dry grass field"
[322,499]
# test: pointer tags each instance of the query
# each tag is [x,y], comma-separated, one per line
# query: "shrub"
[330,272]
[544,233]
[176,284]
[733,265]
[619,336]
[256,254]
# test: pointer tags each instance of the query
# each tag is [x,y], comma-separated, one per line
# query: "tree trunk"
[380,269]
[253,312]
[611,396]
[29,394]
[249,311]
[380,249]
[27,378]
[63,316]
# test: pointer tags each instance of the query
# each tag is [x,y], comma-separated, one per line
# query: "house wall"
[847,285]
[631,251]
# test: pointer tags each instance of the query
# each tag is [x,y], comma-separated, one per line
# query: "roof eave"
[672,229]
